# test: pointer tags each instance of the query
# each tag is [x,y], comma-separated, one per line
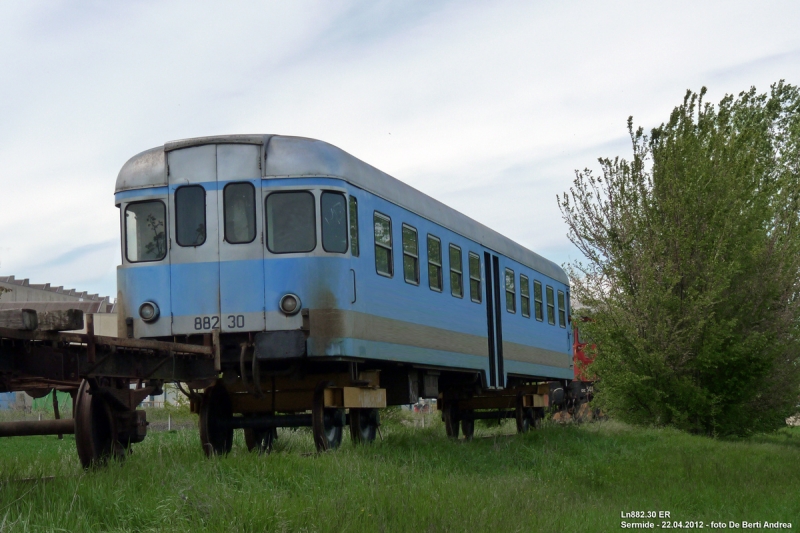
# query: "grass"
[558,478]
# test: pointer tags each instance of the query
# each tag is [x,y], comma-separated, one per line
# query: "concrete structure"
[21,290]
[20,293]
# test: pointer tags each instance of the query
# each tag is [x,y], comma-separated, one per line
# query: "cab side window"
[333,212]
[145,231]
[354,251]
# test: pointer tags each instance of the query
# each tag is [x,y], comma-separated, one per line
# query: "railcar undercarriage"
[108,378]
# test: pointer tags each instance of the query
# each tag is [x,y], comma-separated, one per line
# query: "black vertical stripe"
[490,318]
[498,320]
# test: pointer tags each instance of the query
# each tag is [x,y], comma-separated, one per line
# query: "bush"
[692,259]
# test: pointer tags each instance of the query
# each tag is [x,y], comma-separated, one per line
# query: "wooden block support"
[21,319]
[536,400]
[63,320]
[355,397]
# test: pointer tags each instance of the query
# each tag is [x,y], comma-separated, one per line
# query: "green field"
[558,478]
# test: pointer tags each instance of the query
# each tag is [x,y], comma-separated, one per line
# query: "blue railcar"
[308,261]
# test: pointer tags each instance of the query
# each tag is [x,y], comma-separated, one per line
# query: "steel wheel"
[468,427]
[451,419]
[216,434]
[583,413]
[364,425]
[260,440]
[95,429]
[525,417]
[326,423]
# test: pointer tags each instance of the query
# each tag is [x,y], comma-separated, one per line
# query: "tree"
[692,266]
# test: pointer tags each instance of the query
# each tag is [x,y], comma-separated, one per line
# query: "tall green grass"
[558,478]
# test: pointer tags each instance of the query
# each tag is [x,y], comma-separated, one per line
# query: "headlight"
[290,304]
[148,311]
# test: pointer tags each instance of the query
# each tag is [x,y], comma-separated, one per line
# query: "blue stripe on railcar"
[325,282]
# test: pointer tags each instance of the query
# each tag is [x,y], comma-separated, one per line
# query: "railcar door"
[216,241]
[241,240]
[194,239]
[494,322]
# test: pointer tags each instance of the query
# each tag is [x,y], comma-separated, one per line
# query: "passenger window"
[511,292]
[383,244]
[354,251]
[291,222]
[474,277]
[456,272]
[190,215]
[239,207]
[410,255]
[537,300]
[434,263]
[562,310]
[145,231]
[334,222]
[525,295]
[551,307]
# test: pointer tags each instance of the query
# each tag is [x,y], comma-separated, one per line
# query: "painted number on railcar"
[235,321]
[206,322]
[202,323]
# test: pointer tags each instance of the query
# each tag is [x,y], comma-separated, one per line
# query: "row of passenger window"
[290,221]
[384,264]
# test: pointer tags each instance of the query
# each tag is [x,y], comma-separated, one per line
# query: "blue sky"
[487,106]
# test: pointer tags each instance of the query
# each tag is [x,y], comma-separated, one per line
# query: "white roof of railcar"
[295,157]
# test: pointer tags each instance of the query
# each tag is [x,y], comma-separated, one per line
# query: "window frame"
[266,219]
[414,257]
[439,265]
[512,292]
[225,213]
[538,303]
[523,297]
[459,272]
[321,223]
[177,217]
[125,218]
[551,307]
[561,299]
[390,248]
[352,219]
[479,279]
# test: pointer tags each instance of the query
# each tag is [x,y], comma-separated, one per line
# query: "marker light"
[290,304]
[148,311]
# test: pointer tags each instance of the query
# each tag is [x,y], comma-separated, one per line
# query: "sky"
[489,107]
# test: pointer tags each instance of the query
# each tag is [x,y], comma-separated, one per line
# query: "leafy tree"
[692,269]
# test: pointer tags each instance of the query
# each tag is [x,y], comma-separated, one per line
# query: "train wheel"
[526,418]
[260,440]
[468,427]
[451,419]
[583,413]
[326,423]
[95,429]
[364,425]
[216,434]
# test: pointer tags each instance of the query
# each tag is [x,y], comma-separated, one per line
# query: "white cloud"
[488,107]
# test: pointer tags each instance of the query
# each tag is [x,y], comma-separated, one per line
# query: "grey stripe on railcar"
[337,323]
